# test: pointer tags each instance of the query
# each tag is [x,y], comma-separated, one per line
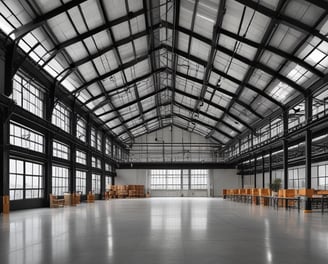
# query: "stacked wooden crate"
[254,193]
[264,193]
[287,193]
[306,192]
[140,191]
[122,191]
[90,197]
[132,191]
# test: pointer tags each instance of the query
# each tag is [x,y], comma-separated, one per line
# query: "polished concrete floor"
[163,230]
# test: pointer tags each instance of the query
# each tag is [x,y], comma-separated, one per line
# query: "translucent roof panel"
[206,66]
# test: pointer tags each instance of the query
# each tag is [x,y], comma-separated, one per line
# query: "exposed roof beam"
[214,105]
[136,116]
[179,92]
[188,77]
[208,116]
[108,74]
[174,124]
[185,55]
[132,102]
[90,33]
[108,98]
[40,20]
[268,33]
[224,75]
[282,18]
[118,43]
[320,3]
[193,120]
[144,122]
[262,67]
[175,42]
[249,86]
[249,42]
[212,53]
[125,86]
[149,17]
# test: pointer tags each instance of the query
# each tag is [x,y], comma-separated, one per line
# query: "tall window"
[93,137]
[60,150]
[28,95]
[96,178]
[61,117]
[26,138]
[198,179]
[95,162]
[99,141]
[108,146]
[108,180]
[108,167]
[59,180]
[81,129]
[322,177]
[26,180]
[81,157]
[81,181]
[179,179]
[173,179]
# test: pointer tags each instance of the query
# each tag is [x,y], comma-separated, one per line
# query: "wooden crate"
[55,202]
[254,191]
[90,197]
[5,204]
[289,193]
[264,192]
[306,192]
[242,191]
[321,192]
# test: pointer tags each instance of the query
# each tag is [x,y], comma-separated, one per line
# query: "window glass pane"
[25,180]
[81,157]
[61,117]
[26,138]
[81,131]
[60,150]
[60,180]
[27,95]
[81,178]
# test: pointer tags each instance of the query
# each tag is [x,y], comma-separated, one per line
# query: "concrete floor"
[163,230]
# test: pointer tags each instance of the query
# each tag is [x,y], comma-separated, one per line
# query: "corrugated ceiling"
[211,67]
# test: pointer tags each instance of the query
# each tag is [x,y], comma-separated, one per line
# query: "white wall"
[224,179]
[132,177]
[218,179]
[186,146]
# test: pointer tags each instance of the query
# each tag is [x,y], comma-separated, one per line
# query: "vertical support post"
[73,153]
[113,180]
[270,167]
[103,167]
[89,152]
[254,171]
[263,173]
[4,161]
[285,149]
[308,149]
[242,177]
[49,106]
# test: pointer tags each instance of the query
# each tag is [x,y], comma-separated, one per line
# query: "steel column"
[308,147]
[263,174]
[270,167]
[285,149]
[254,171]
